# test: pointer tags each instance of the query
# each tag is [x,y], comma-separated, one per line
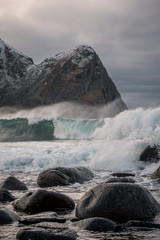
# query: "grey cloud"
[141,99]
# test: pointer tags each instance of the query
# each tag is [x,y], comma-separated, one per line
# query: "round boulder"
[42,200]
[118,201]
[46,231]
[120,179]
[123,174]
[5,196]
[96,224]
[7,216]
[156,174]
[63,176]
[12,183]
[150,154]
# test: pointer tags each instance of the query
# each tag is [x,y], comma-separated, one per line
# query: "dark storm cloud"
[125,34]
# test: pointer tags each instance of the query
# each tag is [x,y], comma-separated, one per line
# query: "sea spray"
[76,128]
[111,144]
[132,124]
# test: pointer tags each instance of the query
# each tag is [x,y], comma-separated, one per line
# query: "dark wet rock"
[7,216]
[42,217]
[96,224]
[156,174]
[63,176]
[47,231]
[74,219]
[6,196]
[33,220]
[118,201]
[12,183]
[134,223]
[150,154]
[42,200]
[138,225]
[122,174]
[120,179]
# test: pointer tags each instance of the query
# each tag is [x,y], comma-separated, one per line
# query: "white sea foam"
[132,124]
[115,145]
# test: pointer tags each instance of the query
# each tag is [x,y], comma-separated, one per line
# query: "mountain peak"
[80,55]
[6,48]
[74,76]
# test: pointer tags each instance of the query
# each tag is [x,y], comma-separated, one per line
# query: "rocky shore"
[116,208]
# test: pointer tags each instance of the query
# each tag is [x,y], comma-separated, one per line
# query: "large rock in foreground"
[42,200]
[118,201]
[76,76]
[63,176]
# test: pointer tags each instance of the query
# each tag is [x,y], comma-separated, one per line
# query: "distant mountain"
[75,76]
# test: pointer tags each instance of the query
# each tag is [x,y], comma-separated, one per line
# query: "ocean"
[45,137]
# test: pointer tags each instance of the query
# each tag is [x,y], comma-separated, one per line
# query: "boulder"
[7,216]
[63,176]
[150,154]
[46,231]
[120,179]
[156,174]
[118,201]
[42,217]
[96,224]
[6,196]
[123,174]
[12,183]
[42,200]
[33,220]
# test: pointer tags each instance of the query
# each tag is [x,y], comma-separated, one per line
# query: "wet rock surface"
[123,174]
[118,201]
[120,179]
[33,220]
[7,216]
[64,224]
[45,231]
[12,183]
[150,154]
[6,196]
[156,174]
[63,176]
[42,200]
[96,224]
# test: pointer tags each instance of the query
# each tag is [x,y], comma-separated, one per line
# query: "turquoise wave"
[20,129]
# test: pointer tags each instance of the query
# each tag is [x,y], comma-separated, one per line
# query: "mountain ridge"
[74,76]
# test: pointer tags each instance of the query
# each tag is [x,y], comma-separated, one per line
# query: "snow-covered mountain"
[74,76]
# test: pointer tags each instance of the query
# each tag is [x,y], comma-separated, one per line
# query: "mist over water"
[63,110]
[73,137]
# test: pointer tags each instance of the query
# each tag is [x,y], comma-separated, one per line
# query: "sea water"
[33,140]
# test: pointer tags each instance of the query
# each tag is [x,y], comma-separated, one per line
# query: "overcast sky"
[124,33]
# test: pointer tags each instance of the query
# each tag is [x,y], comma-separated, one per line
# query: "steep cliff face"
[76,76]
[13,70]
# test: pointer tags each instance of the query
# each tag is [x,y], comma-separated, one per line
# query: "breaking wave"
[105,143]
[22,129]
[130,124]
